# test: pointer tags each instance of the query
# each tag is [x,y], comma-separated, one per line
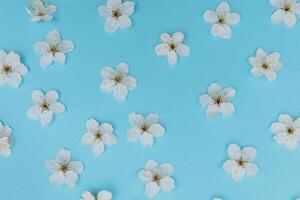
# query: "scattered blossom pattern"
[286,13]
[157,177]
[45,106]
[172,46]
[264,64]
[218,100]
[11,69]
[222,20]
[287,131]
[117,14]
[145,128]
[39,10]
[53,49]
[63,169]
[240,163]
[117,81]
[98,135]
[102,195]
[6,140]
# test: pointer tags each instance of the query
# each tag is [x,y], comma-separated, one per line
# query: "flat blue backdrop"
[194,144]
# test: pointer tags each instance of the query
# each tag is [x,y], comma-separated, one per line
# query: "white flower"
[145,128]
[287,131]
[157,177]
[39,10]
[53,49]
[217,198]
[102,195]
[6,140]
[264,64]
[218,100]
[117,81]
[63,169]
[172,46]
[240,163]
[11,69]
[286,12]
[44,106]
[117,14]
[221,20]
[98,135]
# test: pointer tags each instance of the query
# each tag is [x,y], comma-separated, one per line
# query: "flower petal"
[277,3]
[167,184]
[214,90]
[53,37]
[120,92]
[86,195]
[46,117]
[228,93]
[167,169]
[75,166]
[129,81]
[52,165]
[37,96]
[251,169]
[212,110]
[177,37]
[133,134]
[249,153]
[107,85]
[183,50]
[145,176]
[50,9]
[136,119]
[57,178]
[222,31]
[111,25]
[57,107]
[98,148]
[166,38]
[210,16]
[238,174]
[106,128]
[123,68]
[14,79]
[234,152]
[152,118]
[108,72]
[285,119]
[162,49]
[65,46]
[92,125]
[205,100]
[5,152]
[150,165]
[60,58]
[114,3]
[277,127]
[227,109]
[157,130]
[21,69]
[46,59]
[51,96]
[172,57]
[71,178]
[109,139]
[229,165]
[127,8]
[146,139]
[87,139]
[63,156]
[34,112]
[232,18]
[289,19]
[223,9]
[151,189]
[41,47]
[104,195]
[124,22]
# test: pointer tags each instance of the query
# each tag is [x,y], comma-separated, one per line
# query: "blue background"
[194,144]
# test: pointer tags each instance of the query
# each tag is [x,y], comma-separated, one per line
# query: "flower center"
[53,50]
[116,13]
[287,7]
[156,178]
[218,100]
[241,163]
[98,135]
[63,168]
[290,130]
[145,128]
[265,66]
[44,106]
[172,46]
[221,20]
[6,69]
[41,14]
[118,78]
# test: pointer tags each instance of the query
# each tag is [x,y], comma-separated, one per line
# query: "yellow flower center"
[287,7]
[241,163]
[156,178]
[265,66]
[218,100]
[44,106]
[53,50]
[221,20]
[290,130]
[172,46]
[116,13]
[6,69]
[63,168]
[98,135]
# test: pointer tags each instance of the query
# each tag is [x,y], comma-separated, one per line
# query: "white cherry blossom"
[286,13]
[117,14]
[157,177]
[41,10]
[6,140]
[45,106]
[98,135]
[63,169]
[218,100]
[117,81]
[11,69]
[222,20]
[53,49]
[145,128]
[264,64]
[287,131]
[240,163]
[102,195]
[172,46]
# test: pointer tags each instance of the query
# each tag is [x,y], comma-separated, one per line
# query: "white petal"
[212,110]
[46,117]
[157,130]
[290,19]
[127,8]
[290,142]
[136,119]
[71,178]
[251,169]
[238,174]
[14,79]
[223,31]
[256,71]
[146,139]
[114,3]
[75,166]
[124,22]
[277,127]
[133,134]
[21,69]
[205,100]
[162,49]
[34,112]
[53,37]
[129,81]
[123,68]
[228,93]
[285,119]
[150,165]
[273,58]
[87,139]
[223,8]
[86,195]
[60,58]
[106,128]
[232,18]
[57,107]
[167,169]
[210,16]
[277,3]
[50,9]
[227,109]
[57,178]
[151,189]
[152,118]
[249,153]
[98,148]
[279,137]
[63,156]
[177,37]
[12,59]
[111,25]
[172,57]
[46,60]
[108,73]
[3,55]
[229,165]
[271,75]
[109,139]
[92,125]
[41,47]
[51,96]
[103,11]
[107,85]
[183,50]
[120,92]
[52,165]
[234,152]
[214,90]
[104,195]
[145,176]
[167,184]
[66,46]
